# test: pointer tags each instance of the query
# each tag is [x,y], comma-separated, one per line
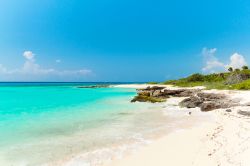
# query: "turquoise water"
[26,110]
[50,124]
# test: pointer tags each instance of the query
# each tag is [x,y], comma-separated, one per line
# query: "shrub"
[196,78]
[215,77]
[244,67]
[245,85]
[237,70]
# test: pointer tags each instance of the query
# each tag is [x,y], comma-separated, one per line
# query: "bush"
[237,70]
[245,67]
[215,77]
[196,78]
[245,85]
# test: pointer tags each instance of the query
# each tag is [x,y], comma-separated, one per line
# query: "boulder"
[209,106]
[186,93]
[191,102]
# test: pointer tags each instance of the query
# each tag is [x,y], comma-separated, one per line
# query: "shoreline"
[177,122]
[225,141]
[158,134]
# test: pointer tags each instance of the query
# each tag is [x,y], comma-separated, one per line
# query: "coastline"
[225,140]
[146,134]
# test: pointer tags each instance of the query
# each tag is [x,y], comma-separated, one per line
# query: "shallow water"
[44,124]
[64,125]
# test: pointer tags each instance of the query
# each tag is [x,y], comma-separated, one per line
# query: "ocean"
[61,124]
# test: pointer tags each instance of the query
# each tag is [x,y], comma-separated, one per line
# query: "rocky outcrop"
[141,98]
[209,106]
[160,93]
[208,101]
[180,92]
[191,102]
[211,96]
[237,78]
[195,98]
[149,94]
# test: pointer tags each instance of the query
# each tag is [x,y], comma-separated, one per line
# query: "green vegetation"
[245,85]
[234,79]
[244,67]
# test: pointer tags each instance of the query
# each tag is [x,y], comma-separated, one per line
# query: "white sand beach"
[222,141]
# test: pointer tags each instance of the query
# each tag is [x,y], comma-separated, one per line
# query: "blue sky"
[127,40]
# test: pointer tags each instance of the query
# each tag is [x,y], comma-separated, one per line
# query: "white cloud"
[213,65]
[31,68]
[237,61]
[28,55]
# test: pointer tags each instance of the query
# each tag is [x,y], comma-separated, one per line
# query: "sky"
[121,40]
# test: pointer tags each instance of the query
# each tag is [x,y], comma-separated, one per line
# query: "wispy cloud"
[32,68]
[214,65]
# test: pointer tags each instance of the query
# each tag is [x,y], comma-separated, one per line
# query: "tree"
[230,69]
[244,67]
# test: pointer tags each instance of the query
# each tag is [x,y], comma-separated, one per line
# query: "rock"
[186,93]
[154,88]
[211,96]
[228,103]
[180,92]
[141,98]
[237,78]
[191,102]
[156,93]
[172,92]
[143,93]
[245,113]
[209,106]
[228,110]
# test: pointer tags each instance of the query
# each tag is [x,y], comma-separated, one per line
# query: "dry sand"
[224,141]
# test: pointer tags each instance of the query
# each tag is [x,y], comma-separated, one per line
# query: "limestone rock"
[191,102]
